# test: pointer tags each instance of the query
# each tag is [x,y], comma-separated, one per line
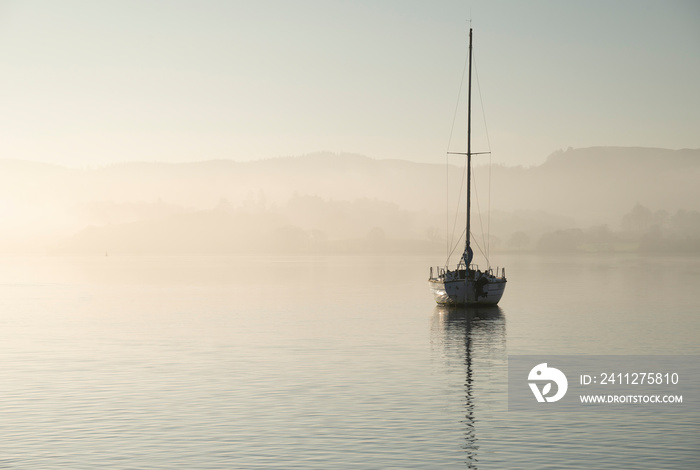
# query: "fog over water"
[614,199]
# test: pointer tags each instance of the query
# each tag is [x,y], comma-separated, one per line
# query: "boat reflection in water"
[473,339]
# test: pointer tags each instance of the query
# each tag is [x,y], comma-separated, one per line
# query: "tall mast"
[467,249]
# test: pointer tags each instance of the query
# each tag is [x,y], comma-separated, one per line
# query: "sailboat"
[467,284]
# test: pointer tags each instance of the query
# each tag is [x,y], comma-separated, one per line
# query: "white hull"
[467,292]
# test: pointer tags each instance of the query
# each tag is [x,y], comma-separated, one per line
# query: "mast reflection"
[476,338]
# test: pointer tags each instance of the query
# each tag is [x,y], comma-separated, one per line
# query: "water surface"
[323,362]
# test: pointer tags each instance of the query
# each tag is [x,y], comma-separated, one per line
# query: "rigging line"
[482,252]
[459,203]
[456,244]
[475,242]
[488,220]
[488,144]
[447,166]
[481,222]
[459,95]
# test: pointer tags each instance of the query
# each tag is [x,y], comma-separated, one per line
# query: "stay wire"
[487,241]
[450,240]
[481,222]
[459,204]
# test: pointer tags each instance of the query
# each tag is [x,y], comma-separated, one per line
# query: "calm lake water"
[325,362]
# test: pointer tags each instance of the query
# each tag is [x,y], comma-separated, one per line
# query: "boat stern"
[460,288]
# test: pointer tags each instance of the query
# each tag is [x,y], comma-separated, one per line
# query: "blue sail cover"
[468,256]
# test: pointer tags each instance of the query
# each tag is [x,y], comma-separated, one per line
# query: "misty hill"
[337,196]
[228,231]
[598,184]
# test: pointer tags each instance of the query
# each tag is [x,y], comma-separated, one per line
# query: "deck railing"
[440,270]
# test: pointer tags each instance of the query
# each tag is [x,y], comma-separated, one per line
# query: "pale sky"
[97,82]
